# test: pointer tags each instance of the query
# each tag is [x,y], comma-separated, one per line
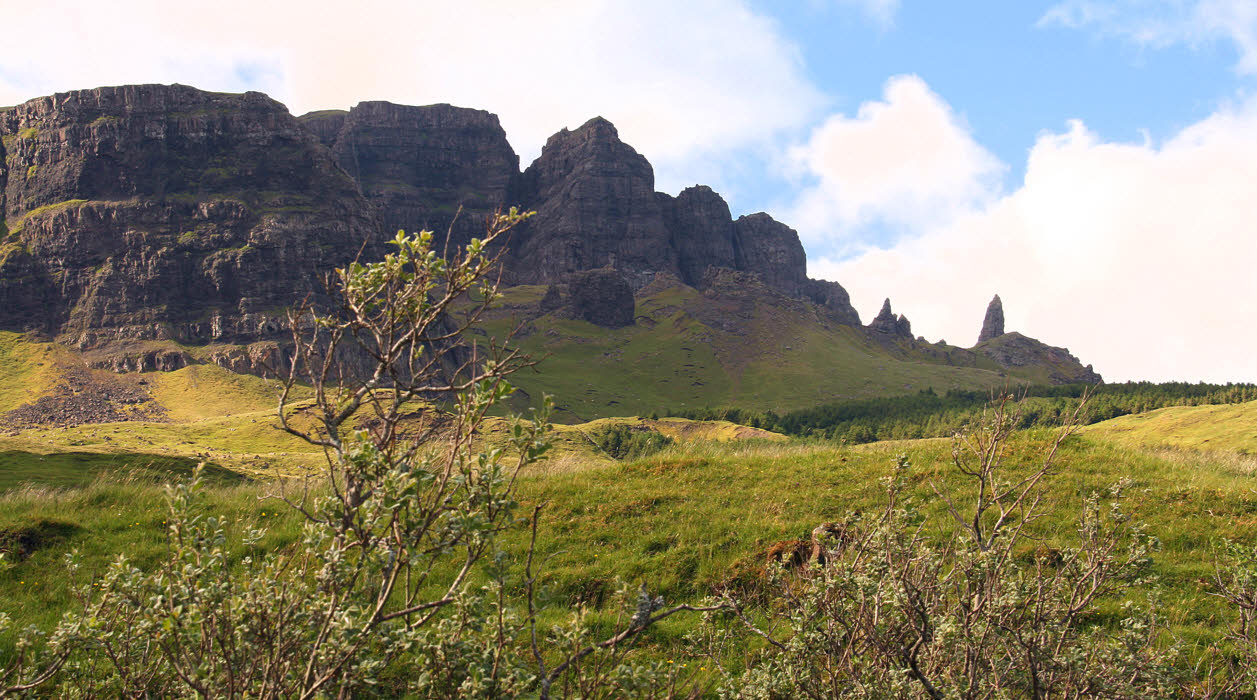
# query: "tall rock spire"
[993,325]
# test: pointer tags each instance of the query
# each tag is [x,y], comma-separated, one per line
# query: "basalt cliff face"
[161,225]
[423,167]
[148,213]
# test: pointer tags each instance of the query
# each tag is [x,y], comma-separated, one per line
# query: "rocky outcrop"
[702,232]
[596,207]
[602,297]
[551,300]
[325,124]
[157,212]
[1015,351]
[993,324]
[833,298]
[887,323]
[164,213]
[427,167]
[771,250]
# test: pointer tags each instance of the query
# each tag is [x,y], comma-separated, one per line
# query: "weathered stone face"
[702,232]
[596,207]
[773,251]
[163,212]
[419,165]
[993,324]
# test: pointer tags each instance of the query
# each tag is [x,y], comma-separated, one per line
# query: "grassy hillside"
[1225,428]
[690,519]
[747,348]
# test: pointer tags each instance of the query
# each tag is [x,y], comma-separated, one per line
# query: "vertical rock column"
[993,324]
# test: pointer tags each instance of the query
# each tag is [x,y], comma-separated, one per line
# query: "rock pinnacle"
[993,325]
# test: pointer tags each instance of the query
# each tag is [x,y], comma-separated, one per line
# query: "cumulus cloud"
[1139,257]
[1160,23]
[904,162]
[682,81]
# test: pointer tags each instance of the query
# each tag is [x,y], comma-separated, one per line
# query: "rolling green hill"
[746,347]
[1225,428]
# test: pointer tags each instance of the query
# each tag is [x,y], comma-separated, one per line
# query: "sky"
[1094,162]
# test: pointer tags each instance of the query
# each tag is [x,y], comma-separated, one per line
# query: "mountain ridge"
[153,226]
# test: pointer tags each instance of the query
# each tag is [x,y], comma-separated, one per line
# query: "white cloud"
[905,161]
[682,81]
[1138,257]
[880,11]
[1160,23]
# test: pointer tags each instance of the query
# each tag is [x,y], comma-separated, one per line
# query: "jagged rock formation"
[888,323]
[993,324]
[158,212]
[701,230]
[596,207]
[602,297]
[1015,351]
[419,165]
[141,223]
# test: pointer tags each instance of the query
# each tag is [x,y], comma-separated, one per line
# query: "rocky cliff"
[423,167]
[597,207]
[159,225]
[156,212]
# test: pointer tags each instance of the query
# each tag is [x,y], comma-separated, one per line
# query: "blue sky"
[1092,161]
[1009,73]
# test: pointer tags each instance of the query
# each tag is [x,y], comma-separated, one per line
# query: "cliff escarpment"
[157,212]
[152,226]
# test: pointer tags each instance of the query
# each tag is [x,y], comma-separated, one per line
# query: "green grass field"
[684,521]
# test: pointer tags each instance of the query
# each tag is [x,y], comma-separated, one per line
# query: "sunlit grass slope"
[1223,428]
[691,350]
[27,369]
[209,414]
[689,519]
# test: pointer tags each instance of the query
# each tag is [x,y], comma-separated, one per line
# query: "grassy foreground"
[686,521]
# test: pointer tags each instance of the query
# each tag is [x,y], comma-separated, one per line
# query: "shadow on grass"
[76,469]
